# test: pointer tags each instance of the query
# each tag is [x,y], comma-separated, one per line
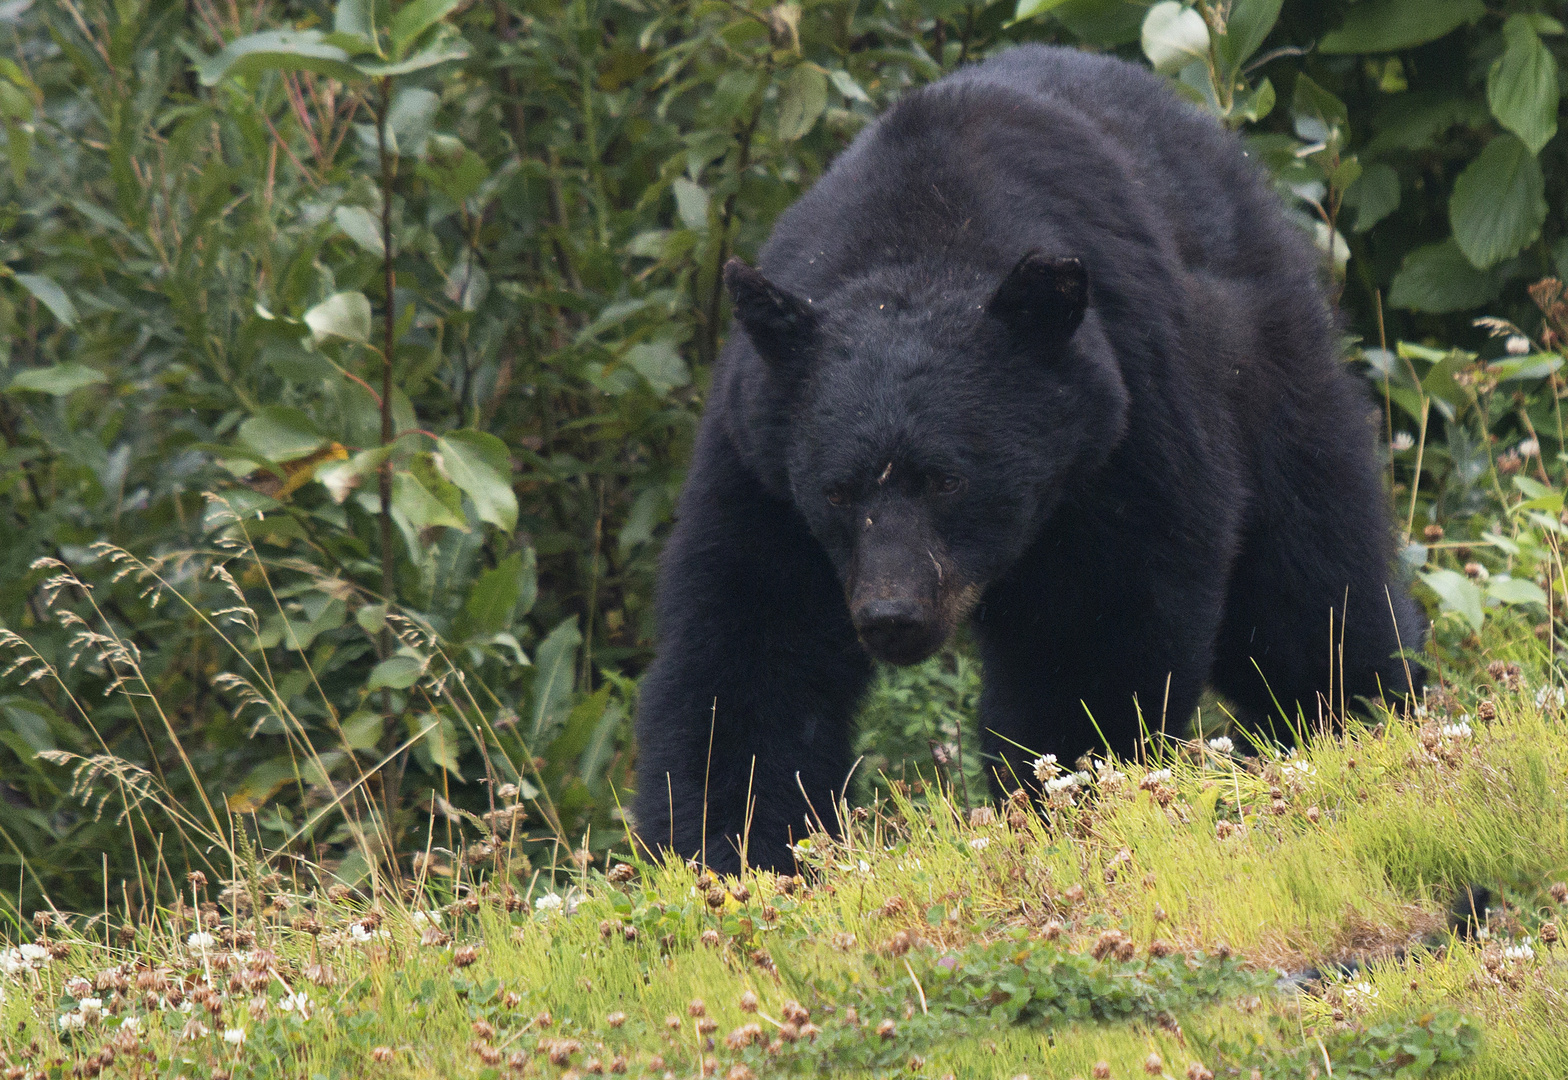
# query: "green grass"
[1142,916]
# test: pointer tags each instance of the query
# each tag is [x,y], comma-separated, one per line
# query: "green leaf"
[1389,25]
[423,508]
[659,363]
[1458,594]
[438,744]
[410,118]
[396,673]
[494,596]
[479,463]
[1512,590]
[845,84]
[362,730]
[691,203]
[1173,36]
[1318,113]
[1439,279]
[1249,24]
[279,50]
[50,296]
[802,99]
[413,19]
[261,784]
[354,17]
[554,662]
[1521,86]
[1499,203]
[281,433]
[56,379]
[342,315]
[362,227]
[1373,196]
[425,58]
[1519,368]
[1028,9]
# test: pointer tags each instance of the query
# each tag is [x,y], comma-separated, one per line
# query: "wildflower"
[1529,448]
[549,902]
[1545,695]
[133,1024]
[1362,991]
[91,1008]
[234,1036]
[1461,730]
[748,1002]
[296,1002]
[201,941]
[1153,1065]
[72,1021]
[465,956]
[1045,767]
[381,1054]
[1402,441]
[194,1030]
[1158,776]
[1062,783]
[35,955]
[423,919]
[1516,345]
[1222,745]
[1522,951]
[980,843]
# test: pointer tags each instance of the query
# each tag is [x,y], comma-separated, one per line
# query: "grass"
[1135,925]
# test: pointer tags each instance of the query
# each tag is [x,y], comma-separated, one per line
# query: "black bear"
[1040,349]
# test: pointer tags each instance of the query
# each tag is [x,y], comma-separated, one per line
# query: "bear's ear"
[781,326]
[1042,298]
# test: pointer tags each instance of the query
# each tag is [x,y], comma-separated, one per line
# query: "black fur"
[1041,349]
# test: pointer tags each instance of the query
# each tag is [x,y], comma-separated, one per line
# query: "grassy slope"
[1351,850]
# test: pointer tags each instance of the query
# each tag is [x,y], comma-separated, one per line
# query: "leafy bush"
[428,295]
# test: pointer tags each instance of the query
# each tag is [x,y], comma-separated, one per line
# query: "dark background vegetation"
[448,587]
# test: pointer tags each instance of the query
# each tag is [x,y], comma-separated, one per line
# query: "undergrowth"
[1212,910]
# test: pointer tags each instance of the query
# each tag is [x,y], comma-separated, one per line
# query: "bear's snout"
[899,631]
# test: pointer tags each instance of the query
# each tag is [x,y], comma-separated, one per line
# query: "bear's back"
[1044,147]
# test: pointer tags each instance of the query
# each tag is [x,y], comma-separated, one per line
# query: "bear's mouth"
[903,631]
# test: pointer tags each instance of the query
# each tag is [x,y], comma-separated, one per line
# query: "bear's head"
[930,421]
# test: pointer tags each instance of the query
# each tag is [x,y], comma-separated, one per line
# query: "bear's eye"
[947,485]
[838,495]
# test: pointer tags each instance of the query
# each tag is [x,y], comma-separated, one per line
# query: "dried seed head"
[716,896]
[711,938]
[743,1036]
[484,1029]
[464,956]
[706,1025]
[915,1063]
[893,905]
[789,1032]
[1102,1070]
[1153,1065]
[615,1019]
[1196,1071]
[518,1061]
[740,893]
[621,873]
[618,1064]
[696,1007]
[795,1012]
[1160,947]
[740,1072]
[1550,933]
[981,817]
[543,1020]
[489,1055]
[769,913]
[898,944]
[749,1002]
[887,1029]
[1073,895]
[1560,891]
[1486,712]
[809,1032]
[593,1067]
[606,929]
[672,1022]
[1052,930]
[1314,815]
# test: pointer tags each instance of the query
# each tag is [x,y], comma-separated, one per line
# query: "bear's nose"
[898,631]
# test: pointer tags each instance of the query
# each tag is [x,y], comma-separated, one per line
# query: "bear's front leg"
[743,723]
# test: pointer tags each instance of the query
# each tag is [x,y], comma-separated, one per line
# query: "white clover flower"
[72,1021]
[1516,345]
[1222,745]
[296,1002]
[1549,695]
[193,1030]
[1529,448]
[201,941]
[11,962]
[35,955]
[1158,776]
[1522,951]
[980,843]
[90,1007]
[359,933]
[132,1024]
[864,867]
[549,902]
[1365,991]
[1045,767]
[1461,730]
[234,1036]
[1298,769]
[1402,441]
[423,919]
[1062,783]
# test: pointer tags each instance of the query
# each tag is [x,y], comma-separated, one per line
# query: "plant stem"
[384,475]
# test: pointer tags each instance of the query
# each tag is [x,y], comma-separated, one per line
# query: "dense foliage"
[371,339]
